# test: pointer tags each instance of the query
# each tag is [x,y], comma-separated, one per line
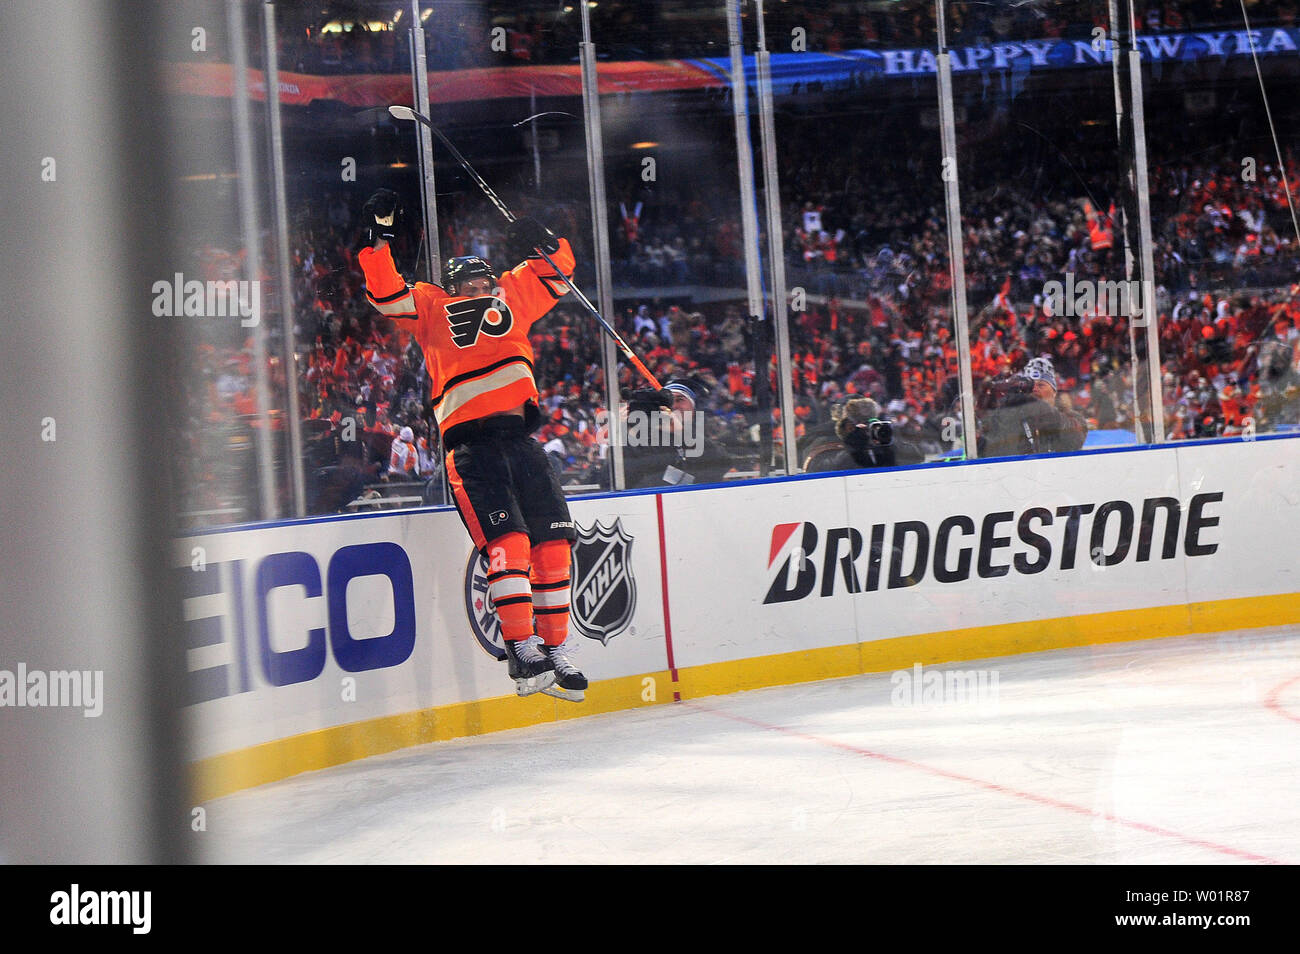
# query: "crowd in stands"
[866,243]
[459,34]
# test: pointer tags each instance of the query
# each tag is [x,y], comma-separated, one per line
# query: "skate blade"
[568,695]
[534,684]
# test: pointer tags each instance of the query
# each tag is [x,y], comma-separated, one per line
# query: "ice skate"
[570,684]
[530,668]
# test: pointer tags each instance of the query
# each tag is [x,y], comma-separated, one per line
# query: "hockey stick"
[552,112]
[407,113]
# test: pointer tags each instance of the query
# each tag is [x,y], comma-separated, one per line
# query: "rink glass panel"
[1040,144]
[677,257]
[1225,242]
[222,470]
[866,244]
[538,169]
[336,156]
[1040,167]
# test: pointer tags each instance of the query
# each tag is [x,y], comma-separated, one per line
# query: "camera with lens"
[1000,390]
[878,433]
[861,427]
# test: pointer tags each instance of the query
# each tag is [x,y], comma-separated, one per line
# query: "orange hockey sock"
[508,585]
[550,579]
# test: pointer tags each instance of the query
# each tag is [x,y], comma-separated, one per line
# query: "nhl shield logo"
[604,589]
[602,592]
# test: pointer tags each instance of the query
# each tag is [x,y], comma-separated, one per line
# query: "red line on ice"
[1271,700]
[996,787]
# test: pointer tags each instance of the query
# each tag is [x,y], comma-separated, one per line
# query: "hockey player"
[474,334]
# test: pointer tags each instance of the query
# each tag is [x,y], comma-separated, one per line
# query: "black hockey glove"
[648,399]
[380,216]
[527,234]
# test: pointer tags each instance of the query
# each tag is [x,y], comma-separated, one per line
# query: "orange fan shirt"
[476,349]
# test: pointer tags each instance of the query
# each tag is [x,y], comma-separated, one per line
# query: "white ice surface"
[1168,751]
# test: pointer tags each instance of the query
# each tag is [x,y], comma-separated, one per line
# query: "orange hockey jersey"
[476,349]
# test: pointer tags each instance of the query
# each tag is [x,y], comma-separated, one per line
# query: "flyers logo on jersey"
[473,316]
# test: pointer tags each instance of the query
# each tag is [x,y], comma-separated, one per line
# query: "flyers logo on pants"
[471,316]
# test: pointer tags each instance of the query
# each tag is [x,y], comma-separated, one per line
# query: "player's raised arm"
[532,286]
[386,290]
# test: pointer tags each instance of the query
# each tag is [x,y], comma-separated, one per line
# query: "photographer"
[1279,378]
[866,441]
[664,438]
[333,487]
[1023,414]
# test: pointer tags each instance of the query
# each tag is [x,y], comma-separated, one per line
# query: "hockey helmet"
[464,267]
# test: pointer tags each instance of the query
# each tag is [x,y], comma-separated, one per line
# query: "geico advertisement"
[283,615]
[827,562]
[299,627]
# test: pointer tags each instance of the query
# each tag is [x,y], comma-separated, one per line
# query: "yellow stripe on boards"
[282,758]
[272,761]
[1250,612]
[901,652]
[758,672]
